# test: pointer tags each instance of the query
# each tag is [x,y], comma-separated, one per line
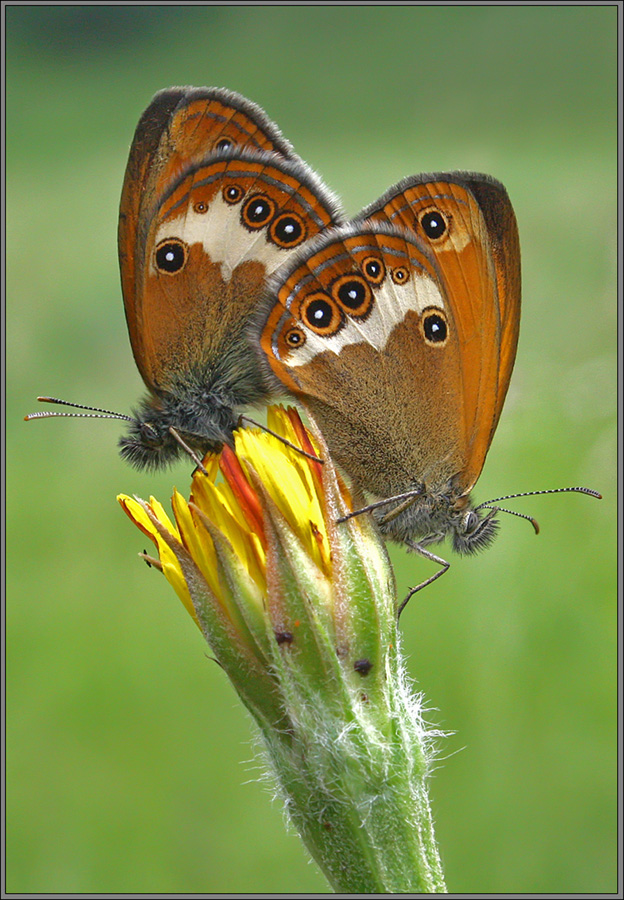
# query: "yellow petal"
[170,565]
[287,477]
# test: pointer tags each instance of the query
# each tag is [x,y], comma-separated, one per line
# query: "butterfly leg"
[198,463]
[280,438]
[428,555]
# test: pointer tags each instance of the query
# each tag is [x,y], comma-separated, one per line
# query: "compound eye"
[471,520]
[171,255]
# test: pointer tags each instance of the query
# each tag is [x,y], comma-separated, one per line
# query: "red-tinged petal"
[244,493]
[306,444]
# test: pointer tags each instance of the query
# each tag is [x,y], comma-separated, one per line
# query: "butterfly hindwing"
[363,332]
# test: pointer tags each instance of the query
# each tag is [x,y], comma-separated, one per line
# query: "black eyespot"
[295,337]
[353,293]
[171,255]
[223,144]
[200,207]
[257,211]
[287,230]
[434,327]
[399,275]
[232,193]
[434,224]
[374,269]
[321,314]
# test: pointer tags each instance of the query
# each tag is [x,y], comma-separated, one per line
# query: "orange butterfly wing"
[468,223]
[363,332]
[227,224]
[177,130]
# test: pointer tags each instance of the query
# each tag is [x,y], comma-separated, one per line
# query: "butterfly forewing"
[180,127]
[216,235]
[505,246]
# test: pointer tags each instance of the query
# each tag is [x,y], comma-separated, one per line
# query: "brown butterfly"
[398,333]
[214,200]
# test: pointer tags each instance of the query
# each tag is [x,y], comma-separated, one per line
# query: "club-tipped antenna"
[512,512]
[94,411]
[493,504]
[576,490]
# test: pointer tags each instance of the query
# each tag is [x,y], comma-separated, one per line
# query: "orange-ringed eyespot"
[399,275]
[353,293]
[434,327]
[294,337]
[320,314]
[232,193]
[374,269]
[171,255]
[434,224]
[257,211]
[287,230]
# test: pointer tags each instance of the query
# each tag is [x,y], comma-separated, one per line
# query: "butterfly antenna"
[512,512]
[576,490]
[95,411]
[534,523]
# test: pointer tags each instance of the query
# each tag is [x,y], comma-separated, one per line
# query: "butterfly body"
[214,200]
[398,339]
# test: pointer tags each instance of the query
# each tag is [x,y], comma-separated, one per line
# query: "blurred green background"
[130,764]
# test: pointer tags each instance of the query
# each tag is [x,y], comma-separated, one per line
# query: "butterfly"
[398,333]
[214,200]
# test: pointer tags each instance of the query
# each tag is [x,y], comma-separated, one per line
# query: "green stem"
[357,795]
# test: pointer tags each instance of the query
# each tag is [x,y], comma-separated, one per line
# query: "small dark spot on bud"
[147,562]
[283,637]
[363,666]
